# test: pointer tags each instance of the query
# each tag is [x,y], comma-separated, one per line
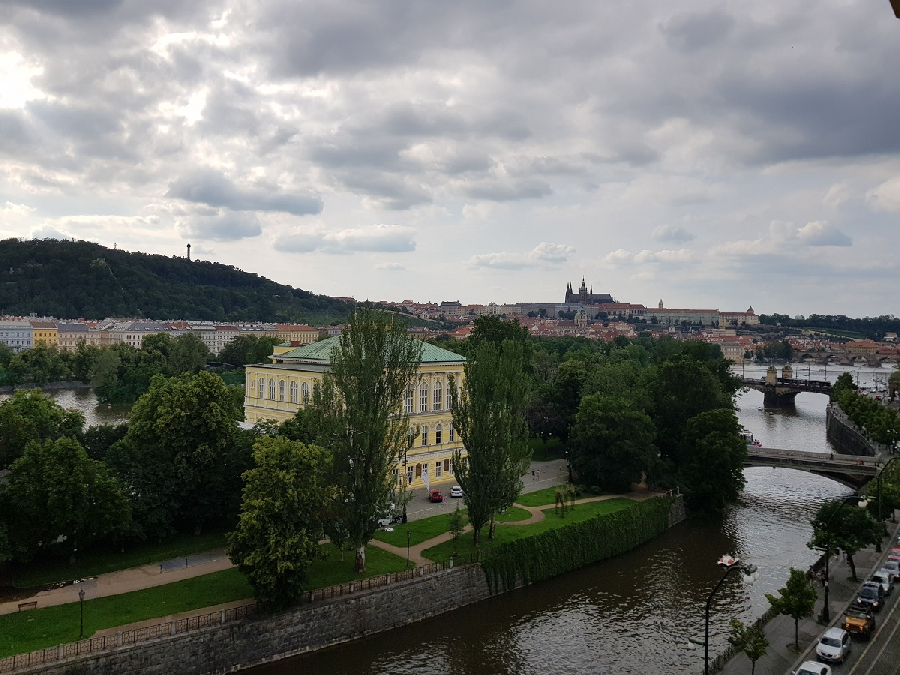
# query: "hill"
[72,279]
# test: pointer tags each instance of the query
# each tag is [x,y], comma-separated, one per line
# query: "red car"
[436,496]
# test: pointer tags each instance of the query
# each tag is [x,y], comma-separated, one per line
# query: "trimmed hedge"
[564,549]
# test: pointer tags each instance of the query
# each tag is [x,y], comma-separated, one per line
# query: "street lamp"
[81,599]
[729,563]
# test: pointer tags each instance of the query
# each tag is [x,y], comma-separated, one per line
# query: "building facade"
[276,391]
[17,335]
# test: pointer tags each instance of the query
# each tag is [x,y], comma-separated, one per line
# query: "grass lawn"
[421,530]
[512,514]
[26,631]
[503,534]
[101,561]
[35,629]
[539,497]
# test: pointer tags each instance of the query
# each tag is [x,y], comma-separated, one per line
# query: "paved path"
[133,579]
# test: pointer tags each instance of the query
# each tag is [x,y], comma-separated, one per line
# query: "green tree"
[32,416]
[842,384]
[84,360]
[713,460]
[97,440]
[496,330]
[41,363]
[796,600]
[360,419]
[489,414]
[612,442]
[188,354]
[844,527]
[749,639]
[456,526]
[181,458]
[284,505]
[58,494]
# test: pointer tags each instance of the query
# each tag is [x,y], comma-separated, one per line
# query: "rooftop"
[321,352]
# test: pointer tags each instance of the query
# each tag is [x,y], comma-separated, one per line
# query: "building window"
[438,396]
[409,475]
[425,435]
[281,390]
[450,467]
[271,389]
[452,433]
[447,465]
[396,473]
[418,470]
[438,469]
[262,388]
[423,397]
[408,402]
[450,394]
[437,434]
[304,393]
[293,392]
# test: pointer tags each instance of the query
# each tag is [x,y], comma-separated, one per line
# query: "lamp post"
[81,602]
[729,563]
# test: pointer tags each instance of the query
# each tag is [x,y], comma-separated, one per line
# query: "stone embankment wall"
[264,638]
[846,436]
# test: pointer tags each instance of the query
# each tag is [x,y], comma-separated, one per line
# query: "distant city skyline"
[713,155]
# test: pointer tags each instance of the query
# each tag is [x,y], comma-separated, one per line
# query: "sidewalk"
[781,657]
[114,583]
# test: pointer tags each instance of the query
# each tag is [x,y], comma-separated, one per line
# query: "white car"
[812,668]
[834,645]
[456,491]
[886,579]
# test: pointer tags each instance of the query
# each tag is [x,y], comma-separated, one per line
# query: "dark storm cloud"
[692,31]
[214,189]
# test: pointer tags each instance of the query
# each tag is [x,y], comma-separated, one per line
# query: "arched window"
[271,389]
[425,434]
[423,397]
[304,393]
[438,396]
[437,435]
[293,391]
[281,390]
[451,433]
[261,392]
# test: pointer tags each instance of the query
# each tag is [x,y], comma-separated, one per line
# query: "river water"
[634,613]
[84,401]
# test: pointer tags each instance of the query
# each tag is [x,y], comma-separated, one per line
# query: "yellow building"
[301,335]
[44,333]
[275,391]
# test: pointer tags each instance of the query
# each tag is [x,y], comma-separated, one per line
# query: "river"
[84,401]
[634,613]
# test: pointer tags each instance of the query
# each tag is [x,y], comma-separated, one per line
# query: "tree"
[283,507]
[612,442]
[360,418]
[749,639]
[842,384]
[42,363]
[58,494]
[33,416]
[181,458]
[188,354]
[83,361]
[713,461]
[795,600]
[489,414]
[456,526]
[844,527]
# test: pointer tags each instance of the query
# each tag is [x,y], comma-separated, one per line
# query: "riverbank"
[324,621]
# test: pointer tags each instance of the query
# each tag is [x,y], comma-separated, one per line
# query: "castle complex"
[586,298]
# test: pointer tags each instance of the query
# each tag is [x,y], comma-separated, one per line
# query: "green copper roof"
[321,352]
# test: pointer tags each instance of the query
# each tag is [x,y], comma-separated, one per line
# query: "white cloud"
[784,237]
[621,256]
[377,238]
[390,267]
[677,235]
[837,194]
[885,197]
[543,253]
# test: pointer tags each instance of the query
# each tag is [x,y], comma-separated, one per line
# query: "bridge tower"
[771,376]
[787,372]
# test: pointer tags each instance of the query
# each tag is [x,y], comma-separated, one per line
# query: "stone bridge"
[849,470]
[782,391]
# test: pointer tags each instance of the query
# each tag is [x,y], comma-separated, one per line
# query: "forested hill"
[72,279]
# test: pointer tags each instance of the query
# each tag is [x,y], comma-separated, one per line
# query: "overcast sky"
[715,154]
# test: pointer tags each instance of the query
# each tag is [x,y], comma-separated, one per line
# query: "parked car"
[885,578]
[871,594]
[834,645]
[894,567]
[436,496]
[456,491]
[859,620]
[812,668]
